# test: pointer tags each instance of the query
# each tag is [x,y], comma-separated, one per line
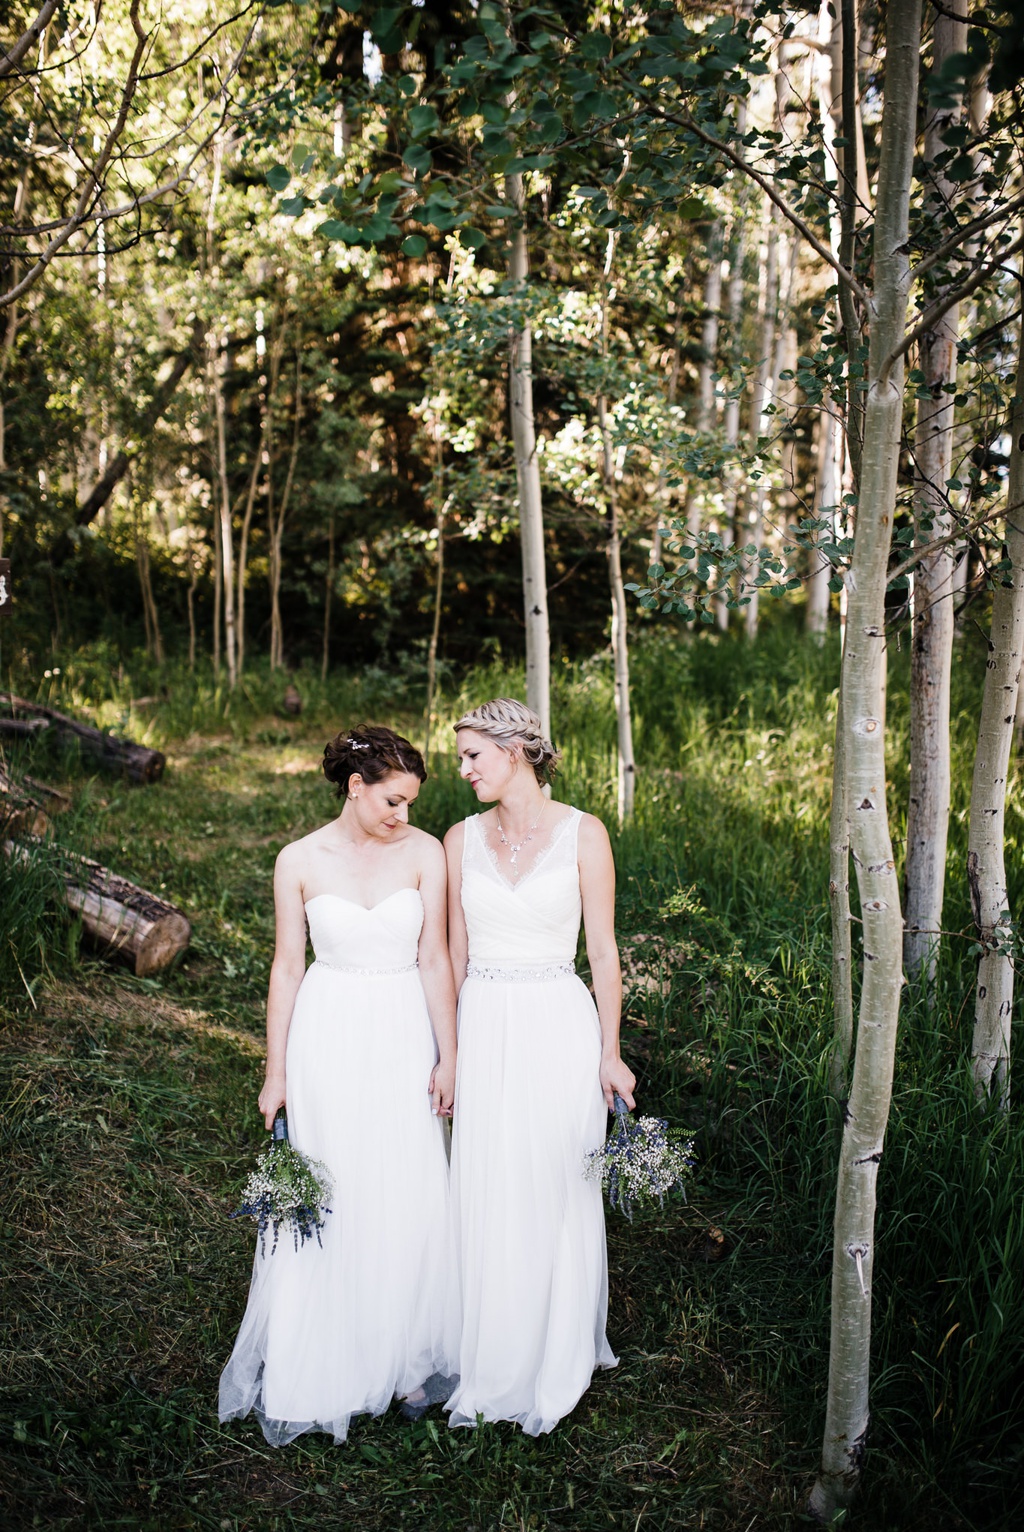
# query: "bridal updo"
[509,723]
[372,751]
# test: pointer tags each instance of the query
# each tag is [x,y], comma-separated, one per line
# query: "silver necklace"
[514,849]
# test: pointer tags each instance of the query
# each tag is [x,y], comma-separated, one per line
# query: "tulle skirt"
[530,1227]
[336,1331]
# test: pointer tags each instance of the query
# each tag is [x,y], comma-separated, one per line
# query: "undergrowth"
[130,1121]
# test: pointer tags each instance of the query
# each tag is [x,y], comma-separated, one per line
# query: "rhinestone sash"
[365,973]
[520,973]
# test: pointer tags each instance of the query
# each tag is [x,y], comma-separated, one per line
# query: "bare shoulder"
[296,851]
[454,837]
[593,834]
[428,848]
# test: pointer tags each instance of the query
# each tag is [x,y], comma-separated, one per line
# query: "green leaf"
[414,244]
[291,207]
[423,120]
[278,177]
[333,228]
[596,45]
[472,238]
[418,158]
[299,155]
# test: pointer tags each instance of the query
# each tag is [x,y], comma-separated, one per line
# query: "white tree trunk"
[225,541]
[931,654]
[524,440]
[864,744]
[620,630]
[826,498]
[731,418]
[986,872]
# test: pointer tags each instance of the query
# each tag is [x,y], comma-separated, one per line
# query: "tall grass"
[720,1311]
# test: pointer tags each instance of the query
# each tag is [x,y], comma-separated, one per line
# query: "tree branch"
[92,183]
[920,554]
[942,305]
[10,61]
[104,488]
[846,277]
[9,231]
[976,226]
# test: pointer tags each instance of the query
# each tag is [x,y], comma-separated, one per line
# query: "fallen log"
[136,761]
[125,919]
[23,728]
[20,812]
[53,800]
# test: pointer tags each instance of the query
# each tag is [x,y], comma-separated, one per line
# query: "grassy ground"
[130,1121]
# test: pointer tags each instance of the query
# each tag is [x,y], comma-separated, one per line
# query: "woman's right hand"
[272,1098]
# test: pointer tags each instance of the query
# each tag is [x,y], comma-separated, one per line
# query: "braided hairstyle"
[509,723]
[372,751]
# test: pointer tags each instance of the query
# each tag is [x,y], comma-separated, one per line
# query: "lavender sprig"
[640,1161]
[286,1190]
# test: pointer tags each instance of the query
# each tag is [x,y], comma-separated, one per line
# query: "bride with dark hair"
[539,1066]
[361,1049]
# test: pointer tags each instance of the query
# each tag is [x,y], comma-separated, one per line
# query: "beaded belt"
[520,973]
[365,973]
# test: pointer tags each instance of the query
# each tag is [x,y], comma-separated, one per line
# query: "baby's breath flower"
[286,1189]
[640,1161]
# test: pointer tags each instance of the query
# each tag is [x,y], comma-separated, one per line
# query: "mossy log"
[138,762]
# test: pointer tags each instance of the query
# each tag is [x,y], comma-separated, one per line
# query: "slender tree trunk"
[226,540]
[328,593]
[218,573]
[190,601]
[277,524]
[764,384]
[839,905]
[986,871]
[867,1113]
[243,556]
[531,513]
[435,627]
[931,654]
[620,631]
[731,418]
[826,498]
[154,639]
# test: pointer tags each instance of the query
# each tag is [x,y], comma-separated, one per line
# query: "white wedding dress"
[528,1107]
[335,1331]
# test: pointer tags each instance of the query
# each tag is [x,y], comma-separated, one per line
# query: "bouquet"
[286,1189]
[640,1161]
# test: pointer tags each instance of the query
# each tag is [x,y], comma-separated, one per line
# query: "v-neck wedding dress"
[528,1107]
[336,1331]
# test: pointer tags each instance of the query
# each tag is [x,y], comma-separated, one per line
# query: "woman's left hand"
[617,1079]
[442,1088]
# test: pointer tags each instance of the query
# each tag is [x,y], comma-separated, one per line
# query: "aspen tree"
[524,442]
[620,632]
[931,651]
[986,872]
[867,1111]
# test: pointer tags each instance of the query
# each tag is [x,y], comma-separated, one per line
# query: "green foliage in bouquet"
[286,1190]
[640,1161]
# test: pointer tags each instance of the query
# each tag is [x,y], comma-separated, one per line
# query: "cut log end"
[164,942]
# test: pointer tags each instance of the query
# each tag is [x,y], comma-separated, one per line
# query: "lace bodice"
[536,921]
[346,935]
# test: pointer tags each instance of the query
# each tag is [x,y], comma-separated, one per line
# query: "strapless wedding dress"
[331,1332]
[528,1107]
